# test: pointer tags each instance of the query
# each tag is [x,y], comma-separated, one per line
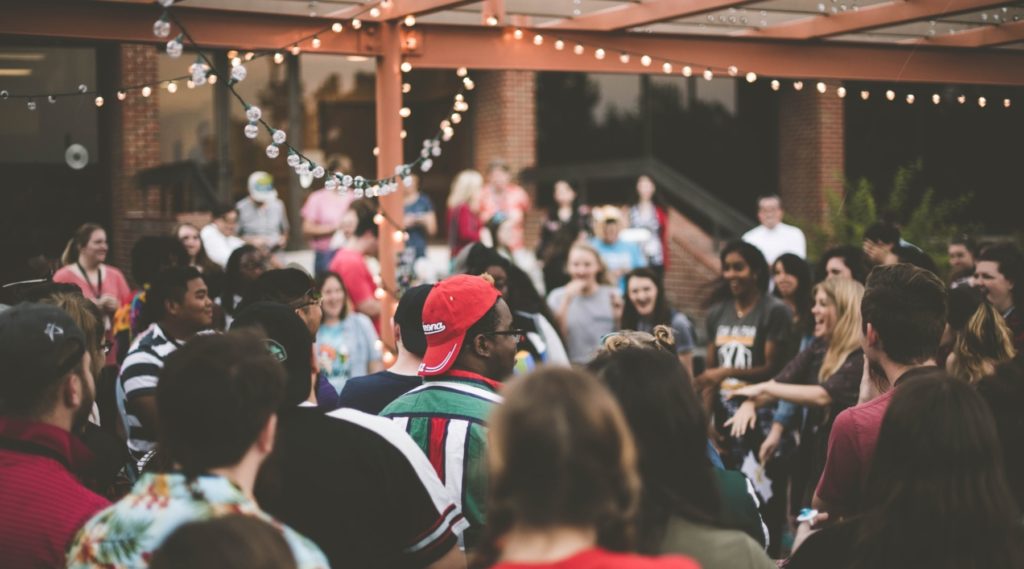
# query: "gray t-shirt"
[269,221]
[740,342]
[590,317]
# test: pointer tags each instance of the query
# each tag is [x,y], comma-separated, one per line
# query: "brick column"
[505,119]
[136,146]
[811,151]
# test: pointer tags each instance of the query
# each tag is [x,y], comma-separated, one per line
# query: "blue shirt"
[372,393]
[417,234]
[620,256]
[346,348]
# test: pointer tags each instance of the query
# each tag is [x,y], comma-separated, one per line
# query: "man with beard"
[46,392]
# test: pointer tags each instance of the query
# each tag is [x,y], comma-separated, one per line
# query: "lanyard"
[98,289]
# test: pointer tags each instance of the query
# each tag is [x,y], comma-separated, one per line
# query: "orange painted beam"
[482,48]
[220,29]
[870,17]
[389,143]
[984,36]
[631,15]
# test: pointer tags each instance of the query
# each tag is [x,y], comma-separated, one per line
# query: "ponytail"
[78,240]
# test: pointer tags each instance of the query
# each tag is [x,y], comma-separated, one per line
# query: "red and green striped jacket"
[447,417]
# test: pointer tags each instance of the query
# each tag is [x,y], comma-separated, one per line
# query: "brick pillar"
[505,119]
[504,107]
[136,146]
[693,266]
[811,151]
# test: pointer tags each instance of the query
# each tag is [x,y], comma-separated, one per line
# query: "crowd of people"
[545,408]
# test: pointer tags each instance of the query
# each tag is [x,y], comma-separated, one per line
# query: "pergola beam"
[870,17]
[492,48]
[482,48]
[632,15]
[984,36]
[398,9]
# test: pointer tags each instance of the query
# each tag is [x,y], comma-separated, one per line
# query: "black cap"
[288,340]
[409,318]
[39,344]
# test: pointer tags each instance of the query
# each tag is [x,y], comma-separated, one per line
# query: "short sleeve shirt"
[345,349]
[740,341]
[590,317]
[268,221]
[325,207]
[111,282]
[351,266]
[139,376]
[127,533]
[620,256]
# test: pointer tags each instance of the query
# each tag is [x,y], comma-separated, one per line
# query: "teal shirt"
[125,535]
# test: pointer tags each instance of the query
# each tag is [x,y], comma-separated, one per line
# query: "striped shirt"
[447,417]
[139,375]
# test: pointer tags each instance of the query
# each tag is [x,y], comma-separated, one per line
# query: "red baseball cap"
[453,306]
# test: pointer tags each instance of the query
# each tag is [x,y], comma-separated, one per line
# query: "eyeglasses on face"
[519,335]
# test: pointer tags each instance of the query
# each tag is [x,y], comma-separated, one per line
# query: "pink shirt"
[356,277]
[598,558]
[325,207]
[514,202]
[112,284]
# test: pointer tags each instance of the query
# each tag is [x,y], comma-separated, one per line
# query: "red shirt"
[356,277]
[43,504]
[851,447]
[597,558]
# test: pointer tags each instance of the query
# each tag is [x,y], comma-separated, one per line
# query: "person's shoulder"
[113,272]
[602,559]
[680,320]
[754,233]
[64,274]
[791,228]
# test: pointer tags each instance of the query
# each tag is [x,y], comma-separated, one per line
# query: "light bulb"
[708,74]
[236,61]
[318,172]
[1006,103]
[936,99]
[751,77]
[161,28]
[910,98]
[775,84]
[147,91]
[821,87]
[174,48]
[624,57]
[687,71]
[406,87]
[538,39]
[492,21]
[798,85]
[273,151]
[31,105]
[279,136]
[645,60]
[733,71]
[211,79]
[864,95]
[296,50]
[404,112]
[456,118]
[982,101]
[378,219]
[578,49]
[599,53]
[336,27]
[190,84]
[841,92]
[468,84]
[410,21]
[666,67]
[518,34]
[253,113]
[461,72]
[99,101]
[559,45]
[375,12]
[890,94]
[238,73]
[293,160]
[249,55]
[315,43]
[398,237]
[251,130]
[406,67]
[121,95]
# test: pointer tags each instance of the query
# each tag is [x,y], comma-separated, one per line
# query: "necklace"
[97,290]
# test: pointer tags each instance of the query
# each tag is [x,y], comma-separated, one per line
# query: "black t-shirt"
[360,488]
[372,393]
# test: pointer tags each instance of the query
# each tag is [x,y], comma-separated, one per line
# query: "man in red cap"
[470,345]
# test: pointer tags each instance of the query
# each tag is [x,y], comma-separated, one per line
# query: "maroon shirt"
[851,447]
[43,504]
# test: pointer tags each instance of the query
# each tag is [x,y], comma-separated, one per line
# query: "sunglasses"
[519,335]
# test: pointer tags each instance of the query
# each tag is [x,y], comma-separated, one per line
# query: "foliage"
[924,220]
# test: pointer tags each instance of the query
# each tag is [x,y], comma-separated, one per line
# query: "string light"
[733,71]
[99,101]
[798,85]
[936,99]
[624,57]
[356,23]
[336,27]
[599,53]
[982,101]
[404,112]
[316,42]
[121,95]
[911,98]
[406,88]
[1006,103]
[578,49]
[518,34]
[864,95]
[890,94]
[687,71]
[147,91]
[708,74]
[410,21]
[461,72]
[751,77]
[645,60]
[559,45]
[405,67]
[296,50]
[492,21]
[278,58]
[375,12]
[821,87]
[775,85]
[666,67]
[841,92]
[172,87]
[538,39]
[961,99]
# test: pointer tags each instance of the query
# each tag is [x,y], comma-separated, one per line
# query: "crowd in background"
[540,408]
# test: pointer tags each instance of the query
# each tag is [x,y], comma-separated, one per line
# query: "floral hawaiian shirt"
[125,535]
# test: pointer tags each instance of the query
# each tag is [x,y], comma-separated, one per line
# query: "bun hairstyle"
[661,338]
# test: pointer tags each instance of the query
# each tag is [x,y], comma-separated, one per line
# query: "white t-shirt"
[219,246]
[777,241]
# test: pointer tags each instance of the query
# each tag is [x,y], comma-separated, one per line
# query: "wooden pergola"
[914,41]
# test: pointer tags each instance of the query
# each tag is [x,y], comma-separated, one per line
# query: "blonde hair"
[985,340]
[602,269]
[845,295]
[466,184]
[661,339]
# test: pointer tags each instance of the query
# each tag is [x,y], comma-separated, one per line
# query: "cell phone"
[806,515]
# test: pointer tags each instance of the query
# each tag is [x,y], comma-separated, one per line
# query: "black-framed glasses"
[519,335]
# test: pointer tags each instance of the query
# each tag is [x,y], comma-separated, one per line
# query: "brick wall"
[693,266]
[136,146]
[811,151]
